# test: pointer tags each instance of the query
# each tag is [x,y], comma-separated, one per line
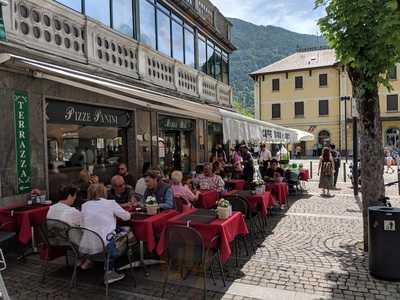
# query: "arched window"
[393,137]
[324,138]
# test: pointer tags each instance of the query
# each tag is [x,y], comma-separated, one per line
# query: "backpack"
[327,168]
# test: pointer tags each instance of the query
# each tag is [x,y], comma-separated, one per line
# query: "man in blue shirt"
[158,189]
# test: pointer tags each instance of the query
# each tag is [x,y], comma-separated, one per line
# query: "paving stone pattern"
[311,249]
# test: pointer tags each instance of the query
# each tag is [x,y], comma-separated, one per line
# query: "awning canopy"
[241,128]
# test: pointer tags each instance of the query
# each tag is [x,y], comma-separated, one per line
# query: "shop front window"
[215,138]
[147,24]
[324,138]
[176,141]
[163,32]
[123,16]
[177,40]
[189,47]
[99,10]
[82,141]
[393,137]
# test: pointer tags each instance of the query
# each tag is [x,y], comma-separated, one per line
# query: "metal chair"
[240,204]
[55,243]
[87,244]
[186,249]
[294,182]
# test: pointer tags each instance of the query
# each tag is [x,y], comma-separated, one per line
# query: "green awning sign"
[2,27]
[22,143]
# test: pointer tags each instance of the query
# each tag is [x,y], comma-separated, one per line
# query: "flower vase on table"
[224,209]
[151,206]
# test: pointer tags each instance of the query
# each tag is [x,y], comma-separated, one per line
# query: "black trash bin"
[384,242]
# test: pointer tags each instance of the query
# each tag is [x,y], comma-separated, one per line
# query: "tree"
[238,106]
[366,37]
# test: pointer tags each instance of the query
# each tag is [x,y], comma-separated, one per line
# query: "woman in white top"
[100,215]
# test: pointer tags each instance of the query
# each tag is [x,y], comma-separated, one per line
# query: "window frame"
[134,16]
[276,105]
[319,108]
[296,114]
[274,87]
[296,82]
[392,71]
[320,77]
[395,97]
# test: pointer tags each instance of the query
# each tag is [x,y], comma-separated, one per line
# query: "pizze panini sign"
[61,112]
[22,142]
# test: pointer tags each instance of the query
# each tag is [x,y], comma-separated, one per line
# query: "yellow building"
[311,91]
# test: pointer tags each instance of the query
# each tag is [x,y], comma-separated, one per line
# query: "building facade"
[311,91]
[85,84]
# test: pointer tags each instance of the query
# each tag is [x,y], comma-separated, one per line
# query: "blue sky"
[296,15]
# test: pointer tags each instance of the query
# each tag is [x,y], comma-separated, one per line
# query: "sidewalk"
[310,252]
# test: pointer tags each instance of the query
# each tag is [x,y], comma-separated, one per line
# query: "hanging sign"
[22,142]
[2,27]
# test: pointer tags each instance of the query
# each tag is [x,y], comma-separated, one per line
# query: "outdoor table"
[227,230]
[258,202]
[304,175]
[145,229]
[207,199]
[25,218]
[280,190]
[237,184]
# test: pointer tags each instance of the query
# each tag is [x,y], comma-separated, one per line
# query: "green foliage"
[365,35]
[259,46]
[238,106]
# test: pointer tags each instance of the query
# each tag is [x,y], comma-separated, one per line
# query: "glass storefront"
[215,137]
[176,141]
[84,140]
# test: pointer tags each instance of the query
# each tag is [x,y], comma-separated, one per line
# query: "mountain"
[259,46]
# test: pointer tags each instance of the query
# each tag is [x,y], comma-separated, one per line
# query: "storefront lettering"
[22,142]
[267,133]
[178,124]
[61,112]
[98,116]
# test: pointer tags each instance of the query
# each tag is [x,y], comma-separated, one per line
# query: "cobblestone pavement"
[310,251]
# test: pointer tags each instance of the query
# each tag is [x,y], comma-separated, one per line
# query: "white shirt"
[100,216]
[265,155]
[65,213]
[140,187]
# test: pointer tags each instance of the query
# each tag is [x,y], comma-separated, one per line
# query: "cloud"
[296,15]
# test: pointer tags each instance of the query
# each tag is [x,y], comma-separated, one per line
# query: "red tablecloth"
[237,184]
[280,190]
[259,202]
[145,230]
[304,175]
[208,199]
[227,230]
[24,220]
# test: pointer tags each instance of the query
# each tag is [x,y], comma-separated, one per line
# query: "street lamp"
[345,99]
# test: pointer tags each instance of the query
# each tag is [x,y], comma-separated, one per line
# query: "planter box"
[224,212]
[152,209]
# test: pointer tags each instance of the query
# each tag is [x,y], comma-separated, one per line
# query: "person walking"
[326,171]
[336,159]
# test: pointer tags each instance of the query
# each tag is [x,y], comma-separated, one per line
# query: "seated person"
[100,215]
[180,190]
[122,170]
[208,181]
[122,193]
[274,172]
[162,191]
[237,171]
[140,187]
[218,169]
[63,210]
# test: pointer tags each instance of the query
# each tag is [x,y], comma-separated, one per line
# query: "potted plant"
[224,209]
[151,205]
